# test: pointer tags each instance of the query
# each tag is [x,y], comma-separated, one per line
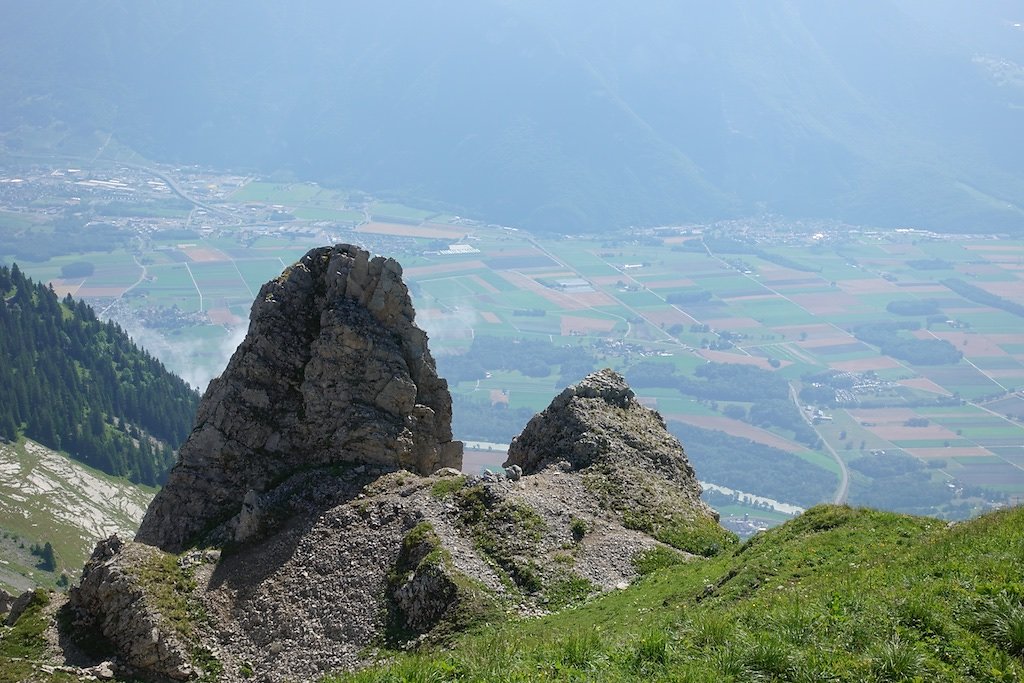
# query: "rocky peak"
[323,455]
[333,370]
[598,421]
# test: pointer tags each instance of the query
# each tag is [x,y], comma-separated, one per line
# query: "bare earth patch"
[442,268]
[570,302]
[862,364]
[668,316]
[924,384]
[976,345]
[223,316]
[812,330]
[951,452]
[204,254]
[889,424]
[87,291]
[664,284]
[64,287]
[732,323]
[826,302]
[867,286]
[820,342]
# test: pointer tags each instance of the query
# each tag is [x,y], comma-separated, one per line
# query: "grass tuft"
[1000,620]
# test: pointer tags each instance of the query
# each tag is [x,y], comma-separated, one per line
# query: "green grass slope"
[46,497]
[838,594]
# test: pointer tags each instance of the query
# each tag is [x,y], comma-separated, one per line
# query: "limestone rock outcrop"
[333,370]
[320,481]
[597,420]
[115,601]
[599,428]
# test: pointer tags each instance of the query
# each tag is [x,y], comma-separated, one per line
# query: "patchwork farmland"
[845,317]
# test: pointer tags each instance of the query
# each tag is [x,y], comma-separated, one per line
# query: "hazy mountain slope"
[560,116]
[47,497]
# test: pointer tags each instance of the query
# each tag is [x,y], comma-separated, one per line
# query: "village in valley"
[898,351]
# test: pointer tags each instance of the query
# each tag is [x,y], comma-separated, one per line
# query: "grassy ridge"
[838,594]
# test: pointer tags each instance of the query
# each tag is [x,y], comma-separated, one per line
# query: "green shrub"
[658,557]
[579,528]
[447,486]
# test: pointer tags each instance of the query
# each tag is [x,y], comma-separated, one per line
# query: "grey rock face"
[311,463]
[600,429]
[598,420]
[333,370]
[113,599]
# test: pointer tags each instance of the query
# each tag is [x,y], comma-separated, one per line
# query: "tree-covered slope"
[838,594]
[80,385]
[560,116]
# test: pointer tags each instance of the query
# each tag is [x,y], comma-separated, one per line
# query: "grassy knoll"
[838,594]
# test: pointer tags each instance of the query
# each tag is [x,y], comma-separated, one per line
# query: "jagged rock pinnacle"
[598,420]
[333,369]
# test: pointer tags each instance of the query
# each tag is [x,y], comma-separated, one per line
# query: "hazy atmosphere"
[512,340]
[559,117]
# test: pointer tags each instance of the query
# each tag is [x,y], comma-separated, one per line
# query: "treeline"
[69,236]
[913,307]
[886,336]
[753,467]
[77,384]
[981,296]
[531,357]
[475,419]
[727,245]
[783,414]
[898,482]
[713,381]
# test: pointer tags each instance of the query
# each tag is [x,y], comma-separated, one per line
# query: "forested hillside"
[80,385]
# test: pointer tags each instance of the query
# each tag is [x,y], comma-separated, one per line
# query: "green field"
[861,273]
[390,210]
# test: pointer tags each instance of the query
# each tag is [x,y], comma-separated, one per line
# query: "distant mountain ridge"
[562,117]
[77,384]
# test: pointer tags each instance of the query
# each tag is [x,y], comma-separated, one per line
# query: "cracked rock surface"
[333,370]
[317,509]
